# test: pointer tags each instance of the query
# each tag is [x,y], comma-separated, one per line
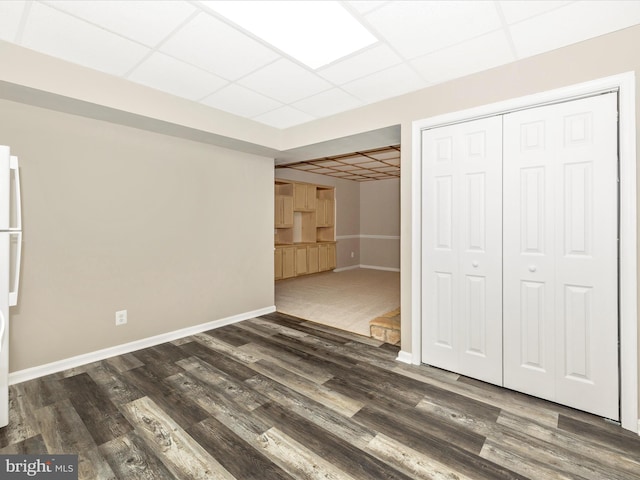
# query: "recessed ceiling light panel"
[314,32]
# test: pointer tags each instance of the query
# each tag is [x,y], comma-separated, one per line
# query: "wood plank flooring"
[276,397]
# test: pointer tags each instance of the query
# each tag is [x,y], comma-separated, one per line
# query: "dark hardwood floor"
[279,398]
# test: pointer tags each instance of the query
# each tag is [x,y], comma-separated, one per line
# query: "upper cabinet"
[304,213]
[304,197]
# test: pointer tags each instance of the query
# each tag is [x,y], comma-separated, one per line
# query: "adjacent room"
[201,215]
[360,291]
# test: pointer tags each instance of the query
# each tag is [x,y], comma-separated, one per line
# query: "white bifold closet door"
[519,251]
[560,253]
[462,248]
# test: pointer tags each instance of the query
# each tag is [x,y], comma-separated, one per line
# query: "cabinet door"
[311,197]
[324,212]
[331,257]
[304,197]
[312,259]
[277,263]
[288,262]
[330,213]
[301,261]
[323,258]
[284,211]
[321,213]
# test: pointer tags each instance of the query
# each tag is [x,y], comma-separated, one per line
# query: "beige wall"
[380,223]
[176,232]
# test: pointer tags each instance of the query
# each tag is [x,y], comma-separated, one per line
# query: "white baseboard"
[370,267]
[375,267]
[342,269]
[79,360]
[404,357]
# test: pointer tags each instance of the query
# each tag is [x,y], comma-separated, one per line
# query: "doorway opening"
[361,292]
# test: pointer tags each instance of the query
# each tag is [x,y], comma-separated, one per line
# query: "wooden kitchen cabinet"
[283,211]
[304,234]
[284,262]
[304,197]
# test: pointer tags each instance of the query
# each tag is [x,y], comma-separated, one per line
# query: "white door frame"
[625,85]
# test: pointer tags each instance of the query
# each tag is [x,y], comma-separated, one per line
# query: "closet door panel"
[440,270]
[462,262]
[560,236]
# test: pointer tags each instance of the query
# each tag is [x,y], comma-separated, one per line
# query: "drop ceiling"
[188,50]
[376,164]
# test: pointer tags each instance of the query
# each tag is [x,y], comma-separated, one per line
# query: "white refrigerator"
[10,252]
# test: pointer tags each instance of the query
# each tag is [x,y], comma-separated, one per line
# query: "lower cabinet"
[302,259]
[312,258]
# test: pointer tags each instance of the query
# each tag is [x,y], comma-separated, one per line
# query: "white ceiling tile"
[10,15]
[388,83]
[517,10]
[144,21]
[213,45]
[58,34]
[369,61]
[572,23]
[283,117]
[164,73]
[285,81]
[466,58]
[417,28]
[241,101]
[328,103]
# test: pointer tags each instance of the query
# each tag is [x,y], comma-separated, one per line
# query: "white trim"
[342,269]
[375,267]
[404,357]
[381,237]
[625,85]
[86,358]
[370,267]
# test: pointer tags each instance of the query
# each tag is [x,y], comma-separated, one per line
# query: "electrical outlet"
[353,254]
[121,317]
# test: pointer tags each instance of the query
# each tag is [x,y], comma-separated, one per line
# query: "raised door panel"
[561,331]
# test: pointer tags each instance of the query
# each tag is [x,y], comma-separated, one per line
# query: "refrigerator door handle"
[3,327]
[13,294]
[13,165]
